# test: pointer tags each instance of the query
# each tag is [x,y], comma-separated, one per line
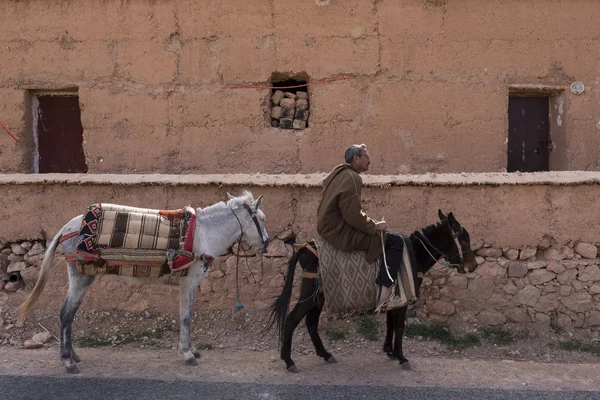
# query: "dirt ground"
[143,345]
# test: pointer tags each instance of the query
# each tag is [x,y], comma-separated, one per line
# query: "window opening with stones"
[290,107]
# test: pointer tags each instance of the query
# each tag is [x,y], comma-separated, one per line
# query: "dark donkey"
[447,239]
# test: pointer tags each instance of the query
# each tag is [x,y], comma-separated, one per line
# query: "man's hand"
[381,226]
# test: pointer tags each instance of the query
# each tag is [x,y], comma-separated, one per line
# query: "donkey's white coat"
[217,228]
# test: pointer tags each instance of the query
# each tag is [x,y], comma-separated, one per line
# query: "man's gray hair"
[354,150]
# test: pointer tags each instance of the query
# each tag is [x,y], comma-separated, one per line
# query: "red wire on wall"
[10,134]
[289,87]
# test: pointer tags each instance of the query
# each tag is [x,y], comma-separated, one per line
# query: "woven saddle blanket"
[348,280]
[138,242]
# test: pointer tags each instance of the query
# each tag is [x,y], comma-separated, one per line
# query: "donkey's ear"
[258,201]
[441,215]
[453,222]
[229,197]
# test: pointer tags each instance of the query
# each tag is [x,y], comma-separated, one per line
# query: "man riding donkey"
[342,222]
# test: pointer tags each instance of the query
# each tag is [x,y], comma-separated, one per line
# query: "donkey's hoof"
[391,355]
[331,360]
[293,369]
[191,361]
[405,366]
[196,353]
[72,369]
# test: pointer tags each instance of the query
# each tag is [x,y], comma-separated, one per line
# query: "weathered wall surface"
[536,238]
[429,88]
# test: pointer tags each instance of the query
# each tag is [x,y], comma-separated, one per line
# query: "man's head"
[357,156]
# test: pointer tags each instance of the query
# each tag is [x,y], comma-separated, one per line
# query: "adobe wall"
[429,88]
[535,235]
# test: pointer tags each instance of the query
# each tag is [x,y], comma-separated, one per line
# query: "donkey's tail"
[279,309]
[25,308]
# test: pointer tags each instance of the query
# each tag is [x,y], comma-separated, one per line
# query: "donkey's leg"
[400,322]
[78,286]
[388,345]
[304,305]
[187,291]
[312,324]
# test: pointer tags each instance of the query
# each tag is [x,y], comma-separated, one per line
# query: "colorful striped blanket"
[139,242]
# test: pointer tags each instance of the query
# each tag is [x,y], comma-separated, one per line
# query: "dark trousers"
[393,254]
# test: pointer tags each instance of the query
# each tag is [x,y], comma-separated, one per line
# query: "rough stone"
[277,96]
[491,317]
[511,254]
[547,303]
[527,253]
[544,244]
[30,276]
[26,245]
[527,296]
[275,123]
[286,123]
[489,252]
[11,286]
[288,112]
[590,273]
[302,104]
[510,288]
[542,319]
[35,260]
[549,289]
[3,267]
[578,302]
[554,254]
[287,103]
[536,264]
[276,112]
[301,114]
[441,307]
[555,267]
[299,124]
[490,269]
[565,290]
[6,251]
[482,288]
[290,95]
[480,260]
[540,276]
[42,337]
[586,250]
[567,276]
[594,289]
[16,266]
[578,285]
[15,257]
[17,249]
[302,95]
[517,315]
[277,249]
[2,283]
[593,319]
[517,269]
[36,249]
[32,344]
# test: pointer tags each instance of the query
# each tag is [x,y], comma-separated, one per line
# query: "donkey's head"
[251,219]
[460,253]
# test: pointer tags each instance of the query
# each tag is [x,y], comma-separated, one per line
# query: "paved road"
[84,388]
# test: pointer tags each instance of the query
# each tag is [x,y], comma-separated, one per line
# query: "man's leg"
[393,255]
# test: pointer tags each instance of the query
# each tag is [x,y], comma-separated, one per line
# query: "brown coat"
[340,218]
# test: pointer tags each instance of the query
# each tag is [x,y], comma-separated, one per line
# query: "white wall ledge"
[307,180]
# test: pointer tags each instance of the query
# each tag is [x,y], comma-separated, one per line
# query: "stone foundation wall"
[535,236]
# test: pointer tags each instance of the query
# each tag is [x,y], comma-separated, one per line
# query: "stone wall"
[428,89]
[535,236]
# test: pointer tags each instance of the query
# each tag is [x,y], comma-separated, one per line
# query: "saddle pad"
[349,280]
[114,236]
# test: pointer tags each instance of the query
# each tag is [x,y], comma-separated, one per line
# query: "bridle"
[440,253]
[254,218]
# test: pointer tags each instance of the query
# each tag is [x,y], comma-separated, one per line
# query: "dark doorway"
[528,134]
[59,135]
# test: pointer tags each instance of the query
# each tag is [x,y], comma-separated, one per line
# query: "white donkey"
[217,228]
